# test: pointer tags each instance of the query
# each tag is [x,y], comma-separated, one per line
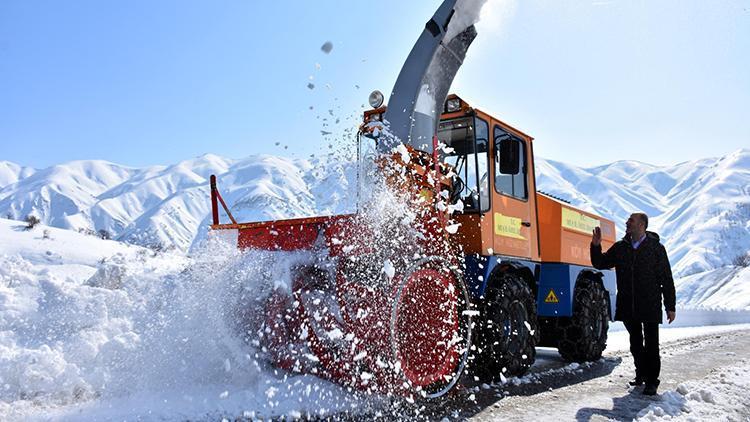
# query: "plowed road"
[555,391]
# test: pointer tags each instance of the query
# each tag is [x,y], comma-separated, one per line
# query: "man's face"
[633,225]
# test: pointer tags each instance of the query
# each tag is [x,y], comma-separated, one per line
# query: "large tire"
[508,332]
[583,337]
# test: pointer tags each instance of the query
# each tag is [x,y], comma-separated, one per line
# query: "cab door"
[514,228]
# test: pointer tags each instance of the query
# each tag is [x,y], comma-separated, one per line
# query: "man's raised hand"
[596,238]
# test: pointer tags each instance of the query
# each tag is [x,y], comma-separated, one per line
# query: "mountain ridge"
[700,207]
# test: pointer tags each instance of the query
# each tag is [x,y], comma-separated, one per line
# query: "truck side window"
[511,184]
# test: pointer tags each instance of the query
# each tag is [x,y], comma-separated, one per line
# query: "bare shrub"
[31,221]
[742,260]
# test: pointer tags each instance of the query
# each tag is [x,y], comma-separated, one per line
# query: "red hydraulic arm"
[215,206]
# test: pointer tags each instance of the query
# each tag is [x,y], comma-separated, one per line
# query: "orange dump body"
[565,231]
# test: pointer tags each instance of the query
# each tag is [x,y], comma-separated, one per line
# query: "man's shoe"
[636,382]
[650,389]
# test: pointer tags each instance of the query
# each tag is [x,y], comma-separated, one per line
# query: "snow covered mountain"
[166,207]
[700,208]
[11,172]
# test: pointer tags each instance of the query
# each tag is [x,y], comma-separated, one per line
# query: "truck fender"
[517,268]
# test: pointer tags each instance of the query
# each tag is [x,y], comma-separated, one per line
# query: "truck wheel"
[583,336]
[508,334]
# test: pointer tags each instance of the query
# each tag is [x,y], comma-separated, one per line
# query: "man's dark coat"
[643,275]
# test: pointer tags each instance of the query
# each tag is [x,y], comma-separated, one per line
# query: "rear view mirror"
[508,149]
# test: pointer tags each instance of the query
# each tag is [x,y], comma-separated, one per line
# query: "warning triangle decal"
[551,298]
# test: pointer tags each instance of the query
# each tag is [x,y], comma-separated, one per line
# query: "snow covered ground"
[722,396]
[94,329]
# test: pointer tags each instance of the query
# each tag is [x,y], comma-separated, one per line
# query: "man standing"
[643,276]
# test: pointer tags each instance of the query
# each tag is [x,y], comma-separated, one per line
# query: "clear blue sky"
[155,82]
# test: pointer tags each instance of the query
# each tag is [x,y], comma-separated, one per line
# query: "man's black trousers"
[644,345]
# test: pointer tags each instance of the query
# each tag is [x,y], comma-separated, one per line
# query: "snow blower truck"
[476,271]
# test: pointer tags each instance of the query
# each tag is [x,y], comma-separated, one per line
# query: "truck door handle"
[526,223]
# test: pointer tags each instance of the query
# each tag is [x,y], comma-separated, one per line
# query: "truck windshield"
[465,148]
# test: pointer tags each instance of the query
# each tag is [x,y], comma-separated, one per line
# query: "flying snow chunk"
[271,392]
[401,149]
[326,47]
[360,356]
[453,228]
[389,269]
[335,334]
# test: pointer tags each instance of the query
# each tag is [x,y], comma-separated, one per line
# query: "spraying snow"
[467,13]
[338,312]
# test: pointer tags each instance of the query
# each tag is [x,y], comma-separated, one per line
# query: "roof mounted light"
[453,104]
[376,99]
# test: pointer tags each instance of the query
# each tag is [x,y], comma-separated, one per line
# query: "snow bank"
[723,396]
[145,334]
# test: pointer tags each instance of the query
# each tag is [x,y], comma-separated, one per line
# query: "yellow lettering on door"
[508,226]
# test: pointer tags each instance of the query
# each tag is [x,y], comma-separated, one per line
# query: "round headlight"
[376,99]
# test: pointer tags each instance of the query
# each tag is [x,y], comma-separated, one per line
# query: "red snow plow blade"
[404,330]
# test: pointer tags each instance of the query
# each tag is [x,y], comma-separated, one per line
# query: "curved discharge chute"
[422,86]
